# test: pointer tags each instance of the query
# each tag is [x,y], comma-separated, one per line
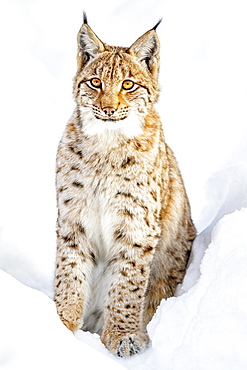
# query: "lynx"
[124,230]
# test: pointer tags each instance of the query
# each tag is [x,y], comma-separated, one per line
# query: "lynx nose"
[109,111]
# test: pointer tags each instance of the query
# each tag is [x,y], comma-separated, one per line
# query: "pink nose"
[109,111]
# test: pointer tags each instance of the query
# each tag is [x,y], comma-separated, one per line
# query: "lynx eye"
[127,85]
[95,82]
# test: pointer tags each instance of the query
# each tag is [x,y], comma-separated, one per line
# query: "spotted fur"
[124,230]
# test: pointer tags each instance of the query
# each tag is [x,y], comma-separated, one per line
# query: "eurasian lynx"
[124,231]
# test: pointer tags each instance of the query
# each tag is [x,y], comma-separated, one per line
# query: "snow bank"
[31,334]
[205,328]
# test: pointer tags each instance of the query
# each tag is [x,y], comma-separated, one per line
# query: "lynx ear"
[89,45]
[146,50]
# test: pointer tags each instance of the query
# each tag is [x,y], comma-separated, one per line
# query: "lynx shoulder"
[124,230]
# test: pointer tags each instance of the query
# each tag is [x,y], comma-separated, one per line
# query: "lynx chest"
[118,195]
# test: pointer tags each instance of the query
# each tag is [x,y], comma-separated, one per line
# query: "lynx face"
[115,86]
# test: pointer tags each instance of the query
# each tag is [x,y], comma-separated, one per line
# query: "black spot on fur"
[78,184]
[129,161]
[67,200]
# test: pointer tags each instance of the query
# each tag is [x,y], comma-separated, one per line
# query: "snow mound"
[32,336]
[205,328]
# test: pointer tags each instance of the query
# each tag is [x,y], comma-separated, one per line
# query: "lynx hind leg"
[168,270]
[158,289]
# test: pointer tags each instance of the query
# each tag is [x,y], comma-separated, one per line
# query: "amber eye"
[127,85]
[95,82]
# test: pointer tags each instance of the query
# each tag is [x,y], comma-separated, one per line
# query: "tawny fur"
[124,230]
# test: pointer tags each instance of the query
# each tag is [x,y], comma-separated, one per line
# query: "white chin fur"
[130,126]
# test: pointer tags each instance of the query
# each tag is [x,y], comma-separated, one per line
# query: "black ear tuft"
[84,17]
[157,24]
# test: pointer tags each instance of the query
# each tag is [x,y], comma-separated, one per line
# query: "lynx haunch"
[124,230]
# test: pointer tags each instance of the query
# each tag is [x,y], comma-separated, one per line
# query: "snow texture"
[204,111]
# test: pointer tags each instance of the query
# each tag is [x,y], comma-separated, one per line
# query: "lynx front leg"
[71,277]
[124,331]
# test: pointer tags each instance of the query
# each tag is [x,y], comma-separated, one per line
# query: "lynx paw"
[71,317]
[125,344]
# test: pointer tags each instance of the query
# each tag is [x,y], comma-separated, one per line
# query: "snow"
[32,336]
[203,107]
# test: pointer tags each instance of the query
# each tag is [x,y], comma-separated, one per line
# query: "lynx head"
[115,86]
